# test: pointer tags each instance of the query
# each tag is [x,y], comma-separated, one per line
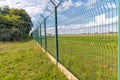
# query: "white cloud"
[90,3]
[32,7]
[111,5]
[67,4]
[78,3]
[100,21]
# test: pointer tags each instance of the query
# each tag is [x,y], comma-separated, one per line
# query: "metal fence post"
[45,31]
[37,35]
[56,30]
[56,34]
[45,34]
[40,35]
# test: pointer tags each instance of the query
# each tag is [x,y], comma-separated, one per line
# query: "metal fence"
[83,36]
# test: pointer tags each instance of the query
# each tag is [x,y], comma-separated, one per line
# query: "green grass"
[26,61]
[89,57]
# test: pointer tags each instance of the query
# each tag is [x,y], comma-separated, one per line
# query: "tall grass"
[26,61]
[89,57]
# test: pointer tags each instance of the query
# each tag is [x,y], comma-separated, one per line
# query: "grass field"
[90,57]
[25,61]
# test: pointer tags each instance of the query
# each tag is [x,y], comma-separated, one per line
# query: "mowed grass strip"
[26,61]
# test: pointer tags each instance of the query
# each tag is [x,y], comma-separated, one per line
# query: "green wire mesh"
[88,37]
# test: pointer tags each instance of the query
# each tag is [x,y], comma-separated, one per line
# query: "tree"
[15,21]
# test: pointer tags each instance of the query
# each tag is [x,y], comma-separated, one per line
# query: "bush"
[15,34]
[15,24]
[12,34]
[5,34]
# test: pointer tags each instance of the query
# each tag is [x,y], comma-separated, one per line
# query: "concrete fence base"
[66,72]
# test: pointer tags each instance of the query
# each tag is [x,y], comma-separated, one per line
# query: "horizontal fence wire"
[87,37]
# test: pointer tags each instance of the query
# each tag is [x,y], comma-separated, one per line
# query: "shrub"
[15,34]
[5,34]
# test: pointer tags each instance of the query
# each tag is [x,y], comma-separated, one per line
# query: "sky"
[76,16]
[70,12]
[33,7]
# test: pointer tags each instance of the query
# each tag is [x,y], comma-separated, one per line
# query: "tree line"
[15,24]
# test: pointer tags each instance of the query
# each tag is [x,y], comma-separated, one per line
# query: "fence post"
[56,30]
[40,35]
[45,34]
[56,35]
[45,31]
[119,40]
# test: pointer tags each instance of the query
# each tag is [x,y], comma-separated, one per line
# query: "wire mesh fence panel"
[35,35]
[51,48]
[88,38]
